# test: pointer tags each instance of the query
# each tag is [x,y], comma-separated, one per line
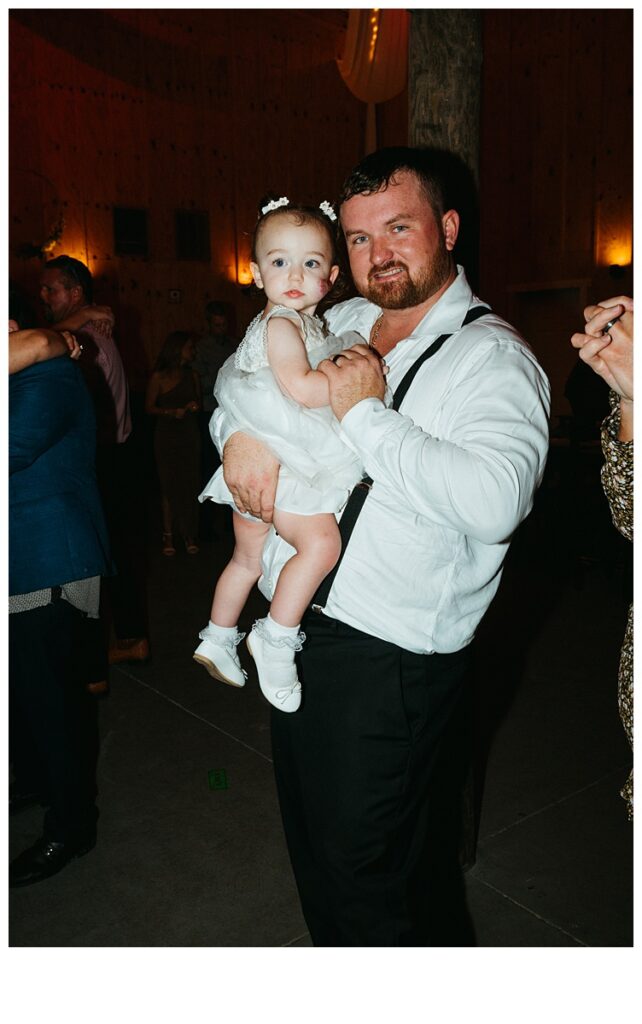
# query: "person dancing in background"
[58,551]
[66,294]
[606,345]
[174,396]
[213,347]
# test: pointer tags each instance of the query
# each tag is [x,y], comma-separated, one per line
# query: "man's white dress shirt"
[454,473]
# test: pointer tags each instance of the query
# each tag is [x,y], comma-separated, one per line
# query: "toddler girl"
[286,407]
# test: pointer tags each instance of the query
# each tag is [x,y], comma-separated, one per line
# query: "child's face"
[294,264]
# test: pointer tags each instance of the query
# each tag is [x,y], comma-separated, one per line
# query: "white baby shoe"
[220,657]
[274,659]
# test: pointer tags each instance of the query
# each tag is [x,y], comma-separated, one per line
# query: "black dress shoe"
[43,859]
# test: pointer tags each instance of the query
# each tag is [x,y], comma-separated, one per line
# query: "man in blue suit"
[58,550]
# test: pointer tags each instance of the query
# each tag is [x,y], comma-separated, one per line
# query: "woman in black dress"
[174,396]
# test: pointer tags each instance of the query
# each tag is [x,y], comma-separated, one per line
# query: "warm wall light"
[618,252]
[239,273]
[244,275]
[73,244]
[613,233]
[76,253]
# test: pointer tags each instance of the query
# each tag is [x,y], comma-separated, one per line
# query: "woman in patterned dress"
[607,347]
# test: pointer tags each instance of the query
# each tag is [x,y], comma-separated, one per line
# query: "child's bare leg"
[318,545]
[220,638]
[241,572]
[274,640]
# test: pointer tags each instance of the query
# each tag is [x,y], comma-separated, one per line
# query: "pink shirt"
[105,376]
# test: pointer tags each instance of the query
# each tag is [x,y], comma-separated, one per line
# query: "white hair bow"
[274,204]
[327,209]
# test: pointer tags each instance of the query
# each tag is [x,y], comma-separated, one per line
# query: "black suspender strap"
[362,489]
[400,393]
[350,515]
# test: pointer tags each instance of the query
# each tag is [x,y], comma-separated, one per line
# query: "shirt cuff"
[358,416]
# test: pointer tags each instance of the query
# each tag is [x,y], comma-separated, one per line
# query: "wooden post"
[444,85]
[444,69]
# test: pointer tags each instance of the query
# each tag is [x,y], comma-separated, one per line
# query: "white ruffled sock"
[219,634]
[276,630]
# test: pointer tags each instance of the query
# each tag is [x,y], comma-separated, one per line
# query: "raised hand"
[609,353]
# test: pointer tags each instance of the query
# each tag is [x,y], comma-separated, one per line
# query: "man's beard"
[404,292]
[48,314]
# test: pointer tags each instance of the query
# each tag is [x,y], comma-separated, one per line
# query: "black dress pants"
[119,486]
[374,853]
[53,720]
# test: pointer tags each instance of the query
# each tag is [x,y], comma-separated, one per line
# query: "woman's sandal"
[168,545]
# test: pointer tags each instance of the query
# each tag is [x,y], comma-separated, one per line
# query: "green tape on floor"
[217,778]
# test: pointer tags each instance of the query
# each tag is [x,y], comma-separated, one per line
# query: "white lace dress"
[318,467]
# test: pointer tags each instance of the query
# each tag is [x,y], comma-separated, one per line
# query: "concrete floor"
[190,849]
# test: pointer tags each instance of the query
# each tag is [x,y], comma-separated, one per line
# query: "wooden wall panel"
[548,148]
[31,193]
[520,71]
[583,124]
[167,110]
[614,144]
[556,174]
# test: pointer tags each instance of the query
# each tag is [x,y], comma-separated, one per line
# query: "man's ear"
[450,225]
[256,274]
[333,275]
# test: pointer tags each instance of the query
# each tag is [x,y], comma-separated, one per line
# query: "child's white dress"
[318,467]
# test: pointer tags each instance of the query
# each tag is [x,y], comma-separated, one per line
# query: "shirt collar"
[446,316]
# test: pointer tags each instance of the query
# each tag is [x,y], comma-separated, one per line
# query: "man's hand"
[75,350]
[251,473]
[353,375]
